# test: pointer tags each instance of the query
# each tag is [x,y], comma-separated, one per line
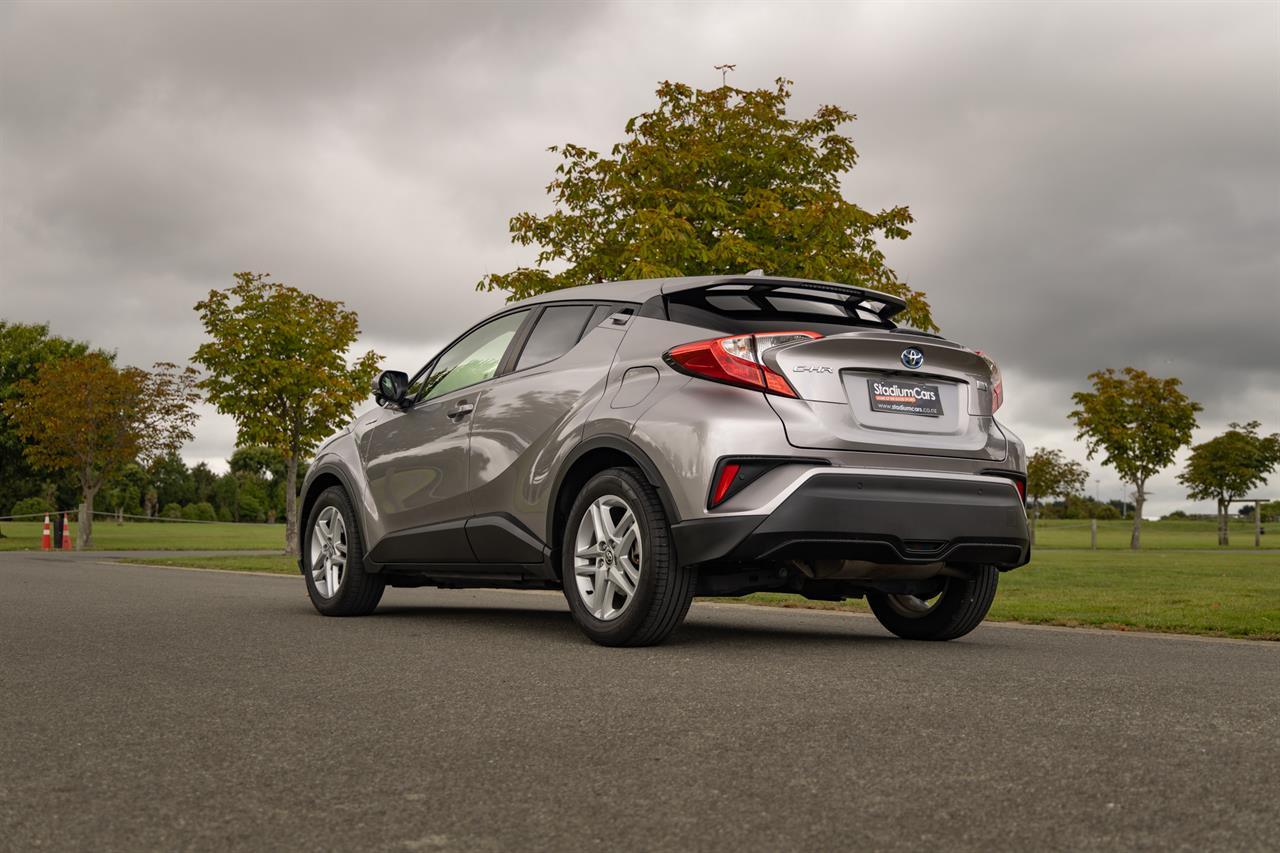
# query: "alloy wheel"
[608,554]
[328,551]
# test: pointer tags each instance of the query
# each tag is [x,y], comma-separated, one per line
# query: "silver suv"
[638,443]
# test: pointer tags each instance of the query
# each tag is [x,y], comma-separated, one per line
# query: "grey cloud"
[1095,185]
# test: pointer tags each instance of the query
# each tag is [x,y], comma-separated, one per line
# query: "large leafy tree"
[711,182]
[1228,466]
[1138,422]
[85,415]
[276,361]
[23,348]
[1050,474]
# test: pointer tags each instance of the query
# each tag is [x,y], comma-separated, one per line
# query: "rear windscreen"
[746,308]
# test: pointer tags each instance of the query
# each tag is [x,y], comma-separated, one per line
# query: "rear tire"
[958,609]
[621,574]
[332,530]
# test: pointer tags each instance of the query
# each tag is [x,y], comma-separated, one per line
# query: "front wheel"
[333,554]
[954,612]
[621,575]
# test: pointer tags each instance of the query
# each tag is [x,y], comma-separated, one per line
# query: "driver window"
[473,359]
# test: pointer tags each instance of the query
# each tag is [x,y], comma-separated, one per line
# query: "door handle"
[461,410]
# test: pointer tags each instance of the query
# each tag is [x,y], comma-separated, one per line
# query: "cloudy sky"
[1094,184]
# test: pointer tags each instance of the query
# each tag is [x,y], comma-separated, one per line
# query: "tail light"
[997,383]
[737,360]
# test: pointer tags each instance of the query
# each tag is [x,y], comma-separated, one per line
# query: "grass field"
[1227,594]
[154,536]
[175,536]
[1181,581]
[1156,535]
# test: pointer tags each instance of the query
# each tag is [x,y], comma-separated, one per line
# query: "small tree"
[88,416]
[1271,511]
[1138,422]
[1050,474]
[1228,466]
[276,362]
[23,348]
[716,181]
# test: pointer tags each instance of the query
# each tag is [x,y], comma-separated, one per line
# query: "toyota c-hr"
[638,443]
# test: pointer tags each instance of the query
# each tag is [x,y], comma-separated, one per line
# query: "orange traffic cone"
[66,533]
[46,541]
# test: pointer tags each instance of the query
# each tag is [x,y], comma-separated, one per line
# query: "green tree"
[267,469]
[711,182]
[172,480]
[1050,474]
[1228,466]
[226,491]
[250,501]
[1138,422]
[276,362]
[23,348]
[266,463]
[202,481]
[124,491]
[85,415]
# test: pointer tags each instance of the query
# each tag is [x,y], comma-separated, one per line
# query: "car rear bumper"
[877,515]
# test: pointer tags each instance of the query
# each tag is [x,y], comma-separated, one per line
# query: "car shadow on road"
[544,624]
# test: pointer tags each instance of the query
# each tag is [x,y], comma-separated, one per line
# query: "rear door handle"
[461,410]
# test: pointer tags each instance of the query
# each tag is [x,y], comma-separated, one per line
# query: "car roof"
[641,290]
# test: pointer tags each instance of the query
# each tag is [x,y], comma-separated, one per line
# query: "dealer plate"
[904,398]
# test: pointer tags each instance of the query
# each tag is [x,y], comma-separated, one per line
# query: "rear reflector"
[727,473]
[1018,480]
[736,360]
[733,474]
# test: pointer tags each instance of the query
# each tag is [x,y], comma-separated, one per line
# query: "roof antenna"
[757,273]
[724,72]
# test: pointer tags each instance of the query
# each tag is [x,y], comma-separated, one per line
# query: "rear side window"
[556,332]
[601,313]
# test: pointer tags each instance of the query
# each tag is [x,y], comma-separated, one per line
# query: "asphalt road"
[147,708]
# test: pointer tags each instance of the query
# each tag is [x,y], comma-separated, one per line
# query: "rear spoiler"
[857,301]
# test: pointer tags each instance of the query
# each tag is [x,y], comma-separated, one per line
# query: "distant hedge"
[202,511]
[30,506]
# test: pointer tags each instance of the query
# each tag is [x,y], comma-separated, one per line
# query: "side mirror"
[391,387]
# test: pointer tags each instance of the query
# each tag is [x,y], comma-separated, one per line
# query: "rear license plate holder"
[900,397]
